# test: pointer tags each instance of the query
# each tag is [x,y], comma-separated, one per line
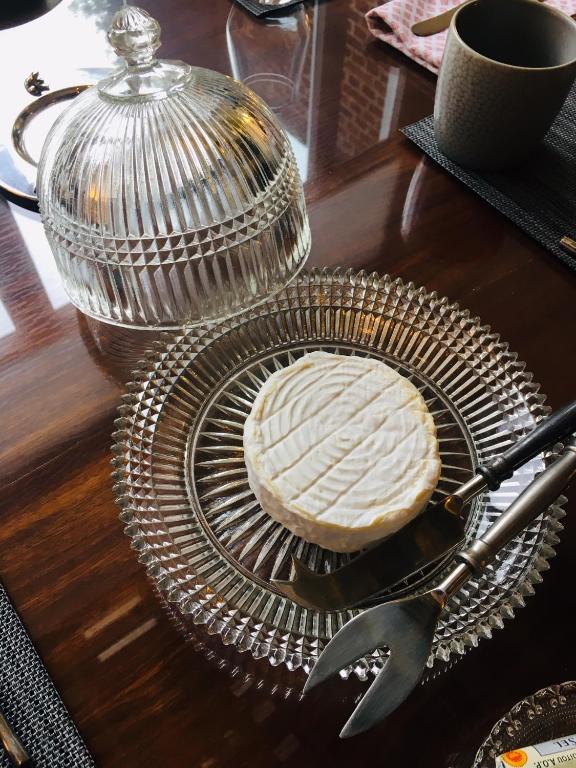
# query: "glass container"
[169,193]
[268,53]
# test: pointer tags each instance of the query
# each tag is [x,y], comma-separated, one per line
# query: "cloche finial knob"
[134,35]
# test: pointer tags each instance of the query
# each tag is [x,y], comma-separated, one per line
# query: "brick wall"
[364,85]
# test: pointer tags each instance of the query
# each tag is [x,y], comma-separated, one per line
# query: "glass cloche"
[169,193]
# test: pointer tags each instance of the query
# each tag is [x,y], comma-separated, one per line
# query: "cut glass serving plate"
[181,480]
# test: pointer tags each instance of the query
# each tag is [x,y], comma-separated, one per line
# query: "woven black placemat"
[540,196]
[31,703]
[261,10]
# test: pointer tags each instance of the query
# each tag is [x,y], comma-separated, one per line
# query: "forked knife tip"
[353,728]
[313,681]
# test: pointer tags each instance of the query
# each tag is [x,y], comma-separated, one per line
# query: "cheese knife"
[427,538]
[407,627]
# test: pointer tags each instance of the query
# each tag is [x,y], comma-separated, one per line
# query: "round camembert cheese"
[341,450]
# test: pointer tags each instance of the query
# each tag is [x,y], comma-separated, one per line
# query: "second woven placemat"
[540,196]
[31,703]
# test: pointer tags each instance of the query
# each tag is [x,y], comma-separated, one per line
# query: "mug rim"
[517,67]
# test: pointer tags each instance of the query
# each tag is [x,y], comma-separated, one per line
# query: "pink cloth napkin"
[392,23]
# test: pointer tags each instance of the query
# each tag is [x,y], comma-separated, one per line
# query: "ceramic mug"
[507,69]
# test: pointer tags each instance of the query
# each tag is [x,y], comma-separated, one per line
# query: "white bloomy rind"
[341,450]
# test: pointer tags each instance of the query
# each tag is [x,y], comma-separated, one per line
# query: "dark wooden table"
[138,692]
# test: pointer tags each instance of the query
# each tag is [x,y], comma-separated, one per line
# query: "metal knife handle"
[552,429]
[436,23]
[535,499]
[14,749]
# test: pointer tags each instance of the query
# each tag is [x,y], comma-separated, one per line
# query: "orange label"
[516,757]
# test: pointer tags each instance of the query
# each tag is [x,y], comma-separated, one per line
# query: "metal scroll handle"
[28,113]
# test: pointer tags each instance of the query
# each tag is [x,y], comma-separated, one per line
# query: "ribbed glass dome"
[169,194]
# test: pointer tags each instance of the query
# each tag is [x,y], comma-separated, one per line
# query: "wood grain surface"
[140,693]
